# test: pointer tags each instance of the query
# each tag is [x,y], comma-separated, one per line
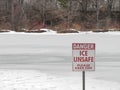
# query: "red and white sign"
[83,56]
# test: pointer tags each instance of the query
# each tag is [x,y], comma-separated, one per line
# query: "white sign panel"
[83,56]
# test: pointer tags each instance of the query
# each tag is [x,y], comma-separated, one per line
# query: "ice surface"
[44,62]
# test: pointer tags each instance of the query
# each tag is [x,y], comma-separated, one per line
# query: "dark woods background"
[60,15]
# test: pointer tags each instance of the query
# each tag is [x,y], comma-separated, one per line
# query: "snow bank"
[51,32]
[46,31]
[35,80]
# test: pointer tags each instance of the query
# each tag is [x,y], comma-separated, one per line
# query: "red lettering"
[83,53]
[83,59]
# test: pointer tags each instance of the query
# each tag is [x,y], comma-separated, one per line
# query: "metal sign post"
[83,77]
[83,58]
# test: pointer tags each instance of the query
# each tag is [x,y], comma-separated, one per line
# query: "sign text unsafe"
[83,56]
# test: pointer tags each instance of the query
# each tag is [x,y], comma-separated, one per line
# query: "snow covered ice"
[44,61]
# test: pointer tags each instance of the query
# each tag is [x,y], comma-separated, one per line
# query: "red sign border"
[72,58]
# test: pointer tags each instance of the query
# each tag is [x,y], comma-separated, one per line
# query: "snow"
[49,32]
[35,80]
[38,61]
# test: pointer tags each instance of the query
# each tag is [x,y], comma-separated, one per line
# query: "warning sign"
[83,56]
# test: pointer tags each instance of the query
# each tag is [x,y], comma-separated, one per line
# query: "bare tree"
[109,6]
[18,15]
[42,12]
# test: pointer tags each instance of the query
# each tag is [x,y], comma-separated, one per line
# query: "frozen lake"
[52,55]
